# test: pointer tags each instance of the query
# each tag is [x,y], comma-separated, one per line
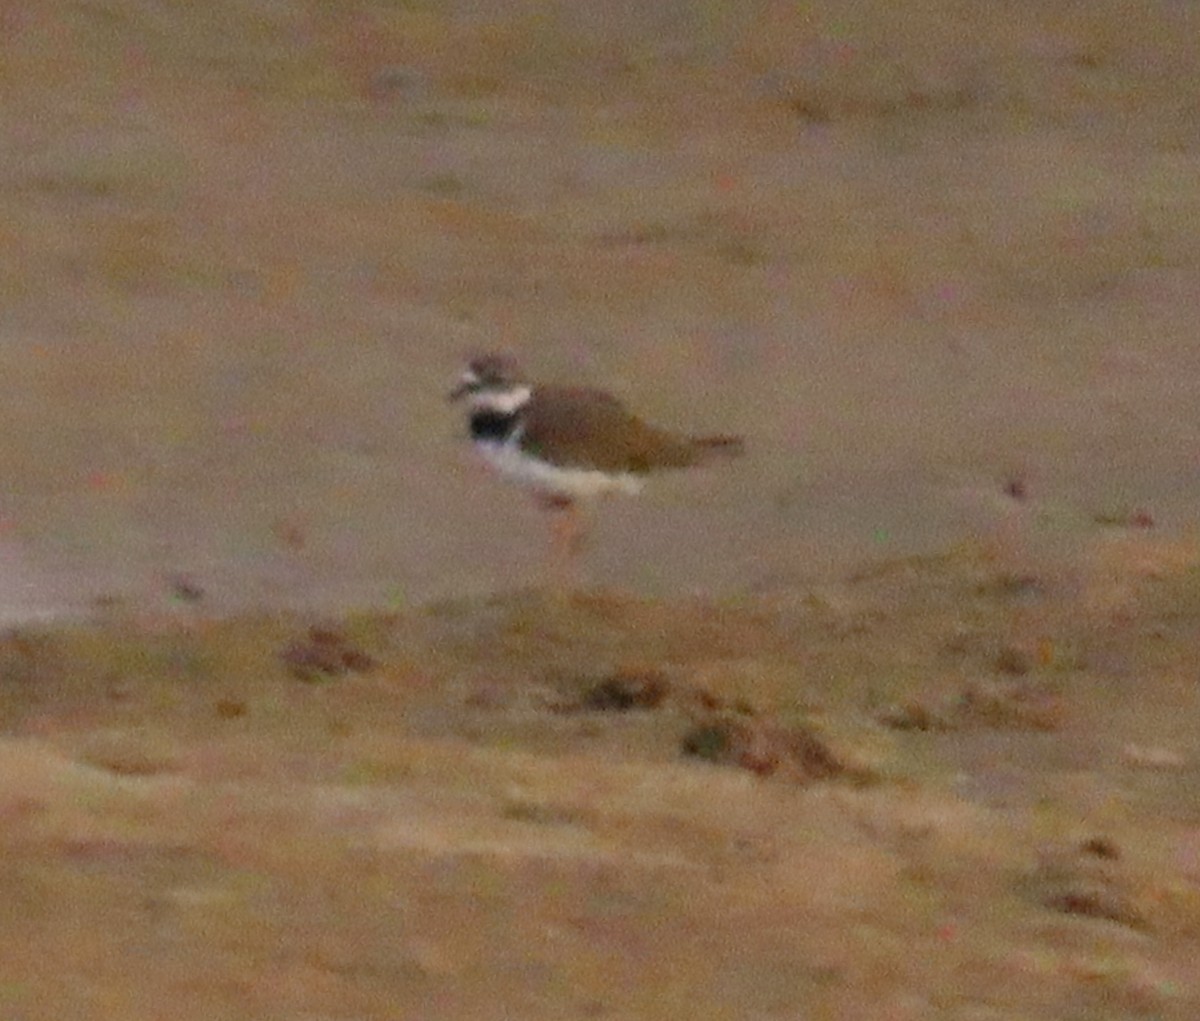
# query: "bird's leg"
[567,536]
[569,529]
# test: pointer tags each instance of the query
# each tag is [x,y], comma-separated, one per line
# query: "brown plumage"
[568,444]
[557,439]
[586,428]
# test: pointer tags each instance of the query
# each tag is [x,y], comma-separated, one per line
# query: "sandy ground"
[935,789]
[939,263]
[911,255]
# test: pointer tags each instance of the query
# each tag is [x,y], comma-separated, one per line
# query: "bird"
[569,445]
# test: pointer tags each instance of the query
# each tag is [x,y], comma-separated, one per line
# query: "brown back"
[585,428]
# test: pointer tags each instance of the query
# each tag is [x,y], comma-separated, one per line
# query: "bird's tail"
[719,446]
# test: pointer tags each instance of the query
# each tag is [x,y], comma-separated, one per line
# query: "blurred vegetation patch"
[443,185]
[1125,517]
[765,748]
[324,653]
[28,657]
[991,704]
[1090,880]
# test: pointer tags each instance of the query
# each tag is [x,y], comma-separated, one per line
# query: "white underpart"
[507,459]
[503,402]
[577,483]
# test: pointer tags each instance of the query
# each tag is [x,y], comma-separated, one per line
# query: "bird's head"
[492,381]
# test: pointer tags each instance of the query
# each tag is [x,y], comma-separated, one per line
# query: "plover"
[569,444]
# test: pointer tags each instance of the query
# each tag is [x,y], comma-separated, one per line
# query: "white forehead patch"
[503,402]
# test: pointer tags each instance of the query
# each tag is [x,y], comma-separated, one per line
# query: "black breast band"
[492,425]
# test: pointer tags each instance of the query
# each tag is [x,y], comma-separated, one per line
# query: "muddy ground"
[894,718]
